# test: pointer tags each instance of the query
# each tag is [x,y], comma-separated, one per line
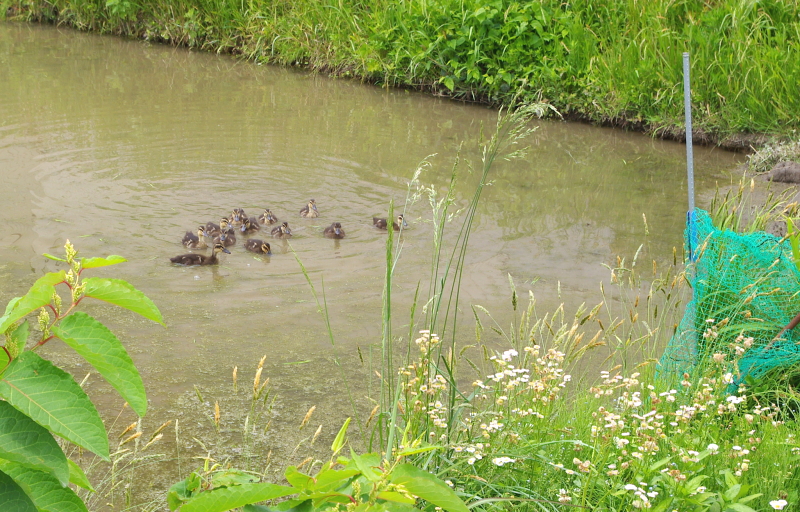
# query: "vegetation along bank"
[616,62]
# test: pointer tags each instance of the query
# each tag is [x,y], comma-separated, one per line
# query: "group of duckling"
[223,235]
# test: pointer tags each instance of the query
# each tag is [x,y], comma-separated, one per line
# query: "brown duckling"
[267,218]
[214,230]
[257,246]
[334,231]
[237,217]
[249,226]
[200,259]
[382,224]
[198,241]
[282,231]
[310,210]
[227,239]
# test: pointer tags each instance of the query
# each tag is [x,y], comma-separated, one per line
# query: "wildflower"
[563,497]
[778,504]
[509,354]
[718,358]
[713,448]
[501,461]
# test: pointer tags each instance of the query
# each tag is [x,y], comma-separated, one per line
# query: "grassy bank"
[611,62]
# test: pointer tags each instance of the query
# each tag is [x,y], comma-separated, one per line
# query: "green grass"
[617,62]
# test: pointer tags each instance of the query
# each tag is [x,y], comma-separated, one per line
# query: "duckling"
[227,239]
[198,241]
[200,259]
[249,226]
[282,231]
[267,218]
[310,210]
[237,217]
[382,224]
[334,231]
[257,246]
[214,230]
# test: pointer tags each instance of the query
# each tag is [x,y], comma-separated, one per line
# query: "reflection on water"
[121,147]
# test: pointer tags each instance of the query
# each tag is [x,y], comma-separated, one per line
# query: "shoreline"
[599,83]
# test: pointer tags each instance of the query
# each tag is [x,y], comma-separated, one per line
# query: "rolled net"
[749,279]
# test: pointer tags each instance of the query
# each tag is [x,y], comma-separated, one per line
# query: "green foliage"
[617,61]
[366,482]
[38,399]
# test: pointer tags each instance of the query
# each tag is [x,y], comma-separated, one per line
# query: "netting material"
[751,280]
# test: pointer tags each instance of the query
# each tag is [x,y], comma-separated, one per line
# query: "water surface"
[121,146]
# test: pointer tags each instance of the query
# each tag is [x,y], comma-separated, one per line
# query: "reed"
[616,62]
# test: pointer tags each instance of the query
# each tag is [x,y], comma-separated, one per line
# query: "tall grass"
[528,435]
[617,61]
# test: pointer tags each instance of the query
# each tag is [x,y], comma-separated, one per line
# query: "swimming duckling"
[334,231]
[237,217]
[198,241]
[267,217]
[249,226]
[214,230]
[382,224]
[310,210]
[200,259]
[257,246]
[227,239]
[282,231]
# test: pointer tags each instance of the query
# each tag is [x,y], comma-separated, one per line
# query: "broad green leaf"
[122,294]
[52,398]
[396,497]
[298,479]
[183,491]
[367,464]
[732,492]
[102,262]
[228,477]
[78,477]
[46,491]
[39,295]
[738,507]
[227,498]
[334,478]
[13,497]
[428,487]
[338,442]
[98,345]
[256,508]
[24,441]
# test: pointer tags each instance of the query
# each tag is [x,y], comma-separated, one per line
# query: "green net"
[744,286]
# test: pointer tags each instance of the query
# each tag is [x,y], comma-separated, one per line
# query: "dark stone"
[785,172]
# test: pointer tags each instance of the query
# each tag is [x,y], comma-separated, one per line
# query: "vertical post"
[687,102]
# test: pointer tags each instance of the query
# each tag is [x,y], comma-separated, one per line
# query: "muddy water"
[121,146]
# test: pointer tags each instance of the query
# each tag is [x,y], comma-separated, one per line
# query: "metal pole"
[687,101]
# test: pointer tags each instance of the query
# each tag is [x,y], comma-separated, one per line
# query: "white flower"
[713,447]
[500,461]
[631,487]
[778,504]
[508,354]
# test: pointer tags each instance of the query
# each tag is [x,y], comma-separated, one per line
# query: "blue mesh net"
[743,284]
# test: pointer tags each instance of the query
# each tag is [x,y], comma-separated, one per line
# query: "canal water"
[121,146]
